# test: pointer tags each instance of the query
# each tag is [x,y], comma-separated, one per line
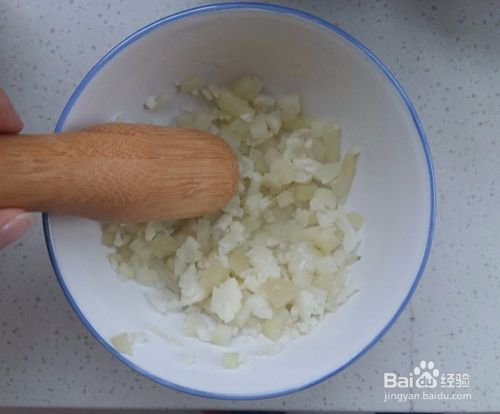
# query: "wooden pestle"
[118,172]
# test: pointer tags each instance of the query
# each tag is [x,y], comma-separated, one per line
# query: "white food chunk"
[164,301]
[221,335]
[273,328]
[259,307]
[264,103]
[234,238]
[248,87]
[285,198]
[230,360]
[191,84]
[226,300]
[258,128]
[311,302]
[301,260]
[263,261]
[122,343]
[290,106]
[331,138]
[191,289]
[197,325]
[233,104]
[189,251]
[343,182]
[275,258]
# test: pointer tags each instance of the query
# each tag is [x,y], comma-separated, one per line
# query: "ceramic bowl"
[393,188]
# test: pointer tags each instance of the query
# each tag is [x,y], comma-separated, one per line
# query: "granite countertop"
[445,54]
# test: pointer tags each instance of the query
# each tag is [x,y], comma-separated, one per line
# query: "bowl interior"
[392,188]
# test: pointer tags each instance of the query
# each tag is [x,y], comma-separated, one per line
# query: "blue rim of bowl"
[268,8]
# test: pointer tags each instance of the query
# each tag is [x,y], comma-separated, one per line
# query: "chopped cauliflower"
[263,261]
[189,251]
[191,290]
[259,307]
[276,258]
[226,300]
[310,303]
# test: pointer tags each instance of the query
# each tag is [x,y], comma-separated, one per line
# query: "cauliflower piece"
[246,167]
[236,235]
[326,218]
[233,207]
[328,264]
[190,251]
[294,148]
[324,203]
[226,300]
[301,217]
[285,198]
[323,199]
[351,237]
[248,87]
[196,325]
[263,261]
[290,106]
[301,258]
[324,173]
[259,306]
[252,280]
[191,289]
[264,103]
[223,222]
[311,303]
[164,300]
[256,204]
[277,255]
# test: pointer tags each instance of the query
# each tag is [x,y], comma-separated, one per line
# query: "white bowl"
[393,188]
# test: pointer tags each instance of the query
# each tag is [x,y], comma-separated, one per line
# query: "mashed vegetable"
[276,258]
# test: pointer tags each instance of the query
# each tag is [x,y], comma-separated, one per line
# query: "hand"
[13,221]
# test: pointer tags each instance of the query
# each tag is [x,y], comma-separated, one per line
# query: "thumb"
[10,123]
[13,223]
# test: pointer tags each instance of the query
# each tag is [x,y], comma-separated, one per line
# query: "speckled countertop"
[446,54]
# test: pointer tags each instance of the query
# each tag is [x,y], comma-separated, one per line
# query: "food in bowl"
[276,258]
[393,188]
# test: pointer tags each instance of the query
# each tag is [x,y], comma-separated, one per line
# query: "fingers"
[13,223]
[10,123]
